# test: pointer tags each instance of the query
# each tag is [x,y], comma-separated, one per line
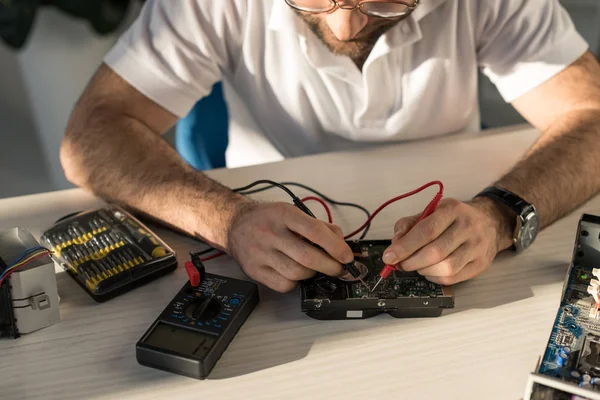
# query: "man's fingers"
[288,268]
[404,225]
[308,255]
[274,280]
[335,229]
[449,266]
[438,250]
[320,234]
[469,271]
[419,236]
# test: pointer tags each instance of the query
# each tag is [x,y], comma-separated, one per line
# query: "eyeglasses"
[379,9]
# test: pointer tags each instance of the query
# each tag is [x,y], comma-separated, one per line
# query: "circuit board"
[402,294]
[573,352]
[571,361]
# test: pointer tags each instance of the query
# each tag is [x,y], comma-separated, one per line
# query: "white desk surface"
[482,349]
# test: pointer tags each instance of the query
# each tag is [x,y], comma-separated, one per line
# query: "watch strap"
[511,200]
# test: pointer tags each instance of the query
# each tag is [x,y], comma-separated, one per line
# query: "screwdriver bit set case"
[108,251]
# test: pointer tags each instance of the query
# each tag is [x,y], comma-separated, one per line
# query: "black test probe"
[349,267]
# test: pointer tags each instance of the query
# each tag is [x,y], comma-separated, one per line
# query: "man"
[319,75]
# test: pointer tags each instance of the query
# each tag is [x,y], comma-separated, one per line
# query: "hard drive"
[402,294]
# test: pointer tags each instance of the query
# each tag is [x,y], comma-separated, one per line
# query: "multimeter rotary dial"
[203,308]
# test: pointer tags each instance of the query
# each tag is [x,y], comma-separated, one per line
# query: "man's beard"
[357,48]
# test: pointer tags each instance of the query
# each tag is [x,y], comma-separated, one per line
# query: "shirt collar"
[283,19]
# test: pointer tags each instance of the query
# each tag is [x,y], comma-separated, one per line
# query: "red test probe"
[388,269]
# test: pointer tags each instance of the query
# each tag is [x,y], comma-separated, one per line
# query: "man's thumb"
[404,225]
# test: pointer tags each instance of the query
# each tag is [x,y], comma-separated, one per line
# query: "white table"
[482,349]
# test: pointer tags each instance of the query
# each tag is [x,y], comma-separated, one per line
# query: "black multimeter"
[193,331]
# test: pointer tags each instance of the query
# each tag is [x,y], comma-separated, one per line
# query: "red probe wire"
[325,206]
[212,257]
[429,209]
[388,269]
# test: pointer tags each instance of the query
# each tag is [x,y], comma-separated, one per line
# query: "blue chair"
[201,137]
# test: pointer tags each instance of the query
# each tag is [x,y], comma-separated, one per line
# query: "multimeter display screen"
[179,340]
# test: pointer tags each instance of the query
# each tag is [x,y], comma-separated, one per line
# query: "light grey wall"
[23,166]
[39,85]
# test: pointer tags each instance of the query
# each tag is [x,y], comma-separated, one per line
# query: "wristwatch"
[527,218]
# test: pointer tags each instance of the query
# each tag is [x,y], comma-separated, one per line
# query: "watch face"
[531,227]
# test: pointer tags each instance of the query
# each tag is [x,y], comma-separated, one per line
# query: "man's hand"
[455,243]
[269,241]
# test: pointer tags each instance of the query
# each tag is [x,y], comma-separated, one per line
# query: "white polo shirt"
[289,95]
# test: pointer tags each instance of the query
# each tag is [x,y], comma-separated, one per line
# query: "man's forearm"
[559,173]
[121,160]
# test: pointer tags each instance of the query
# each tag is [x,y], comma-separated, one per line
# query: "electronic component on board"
[570,366]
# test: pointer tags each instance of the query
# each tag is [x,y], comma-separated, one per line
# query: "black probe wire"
[283,185]
[271,184]
[295,198]
[203,252]
[245,190]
